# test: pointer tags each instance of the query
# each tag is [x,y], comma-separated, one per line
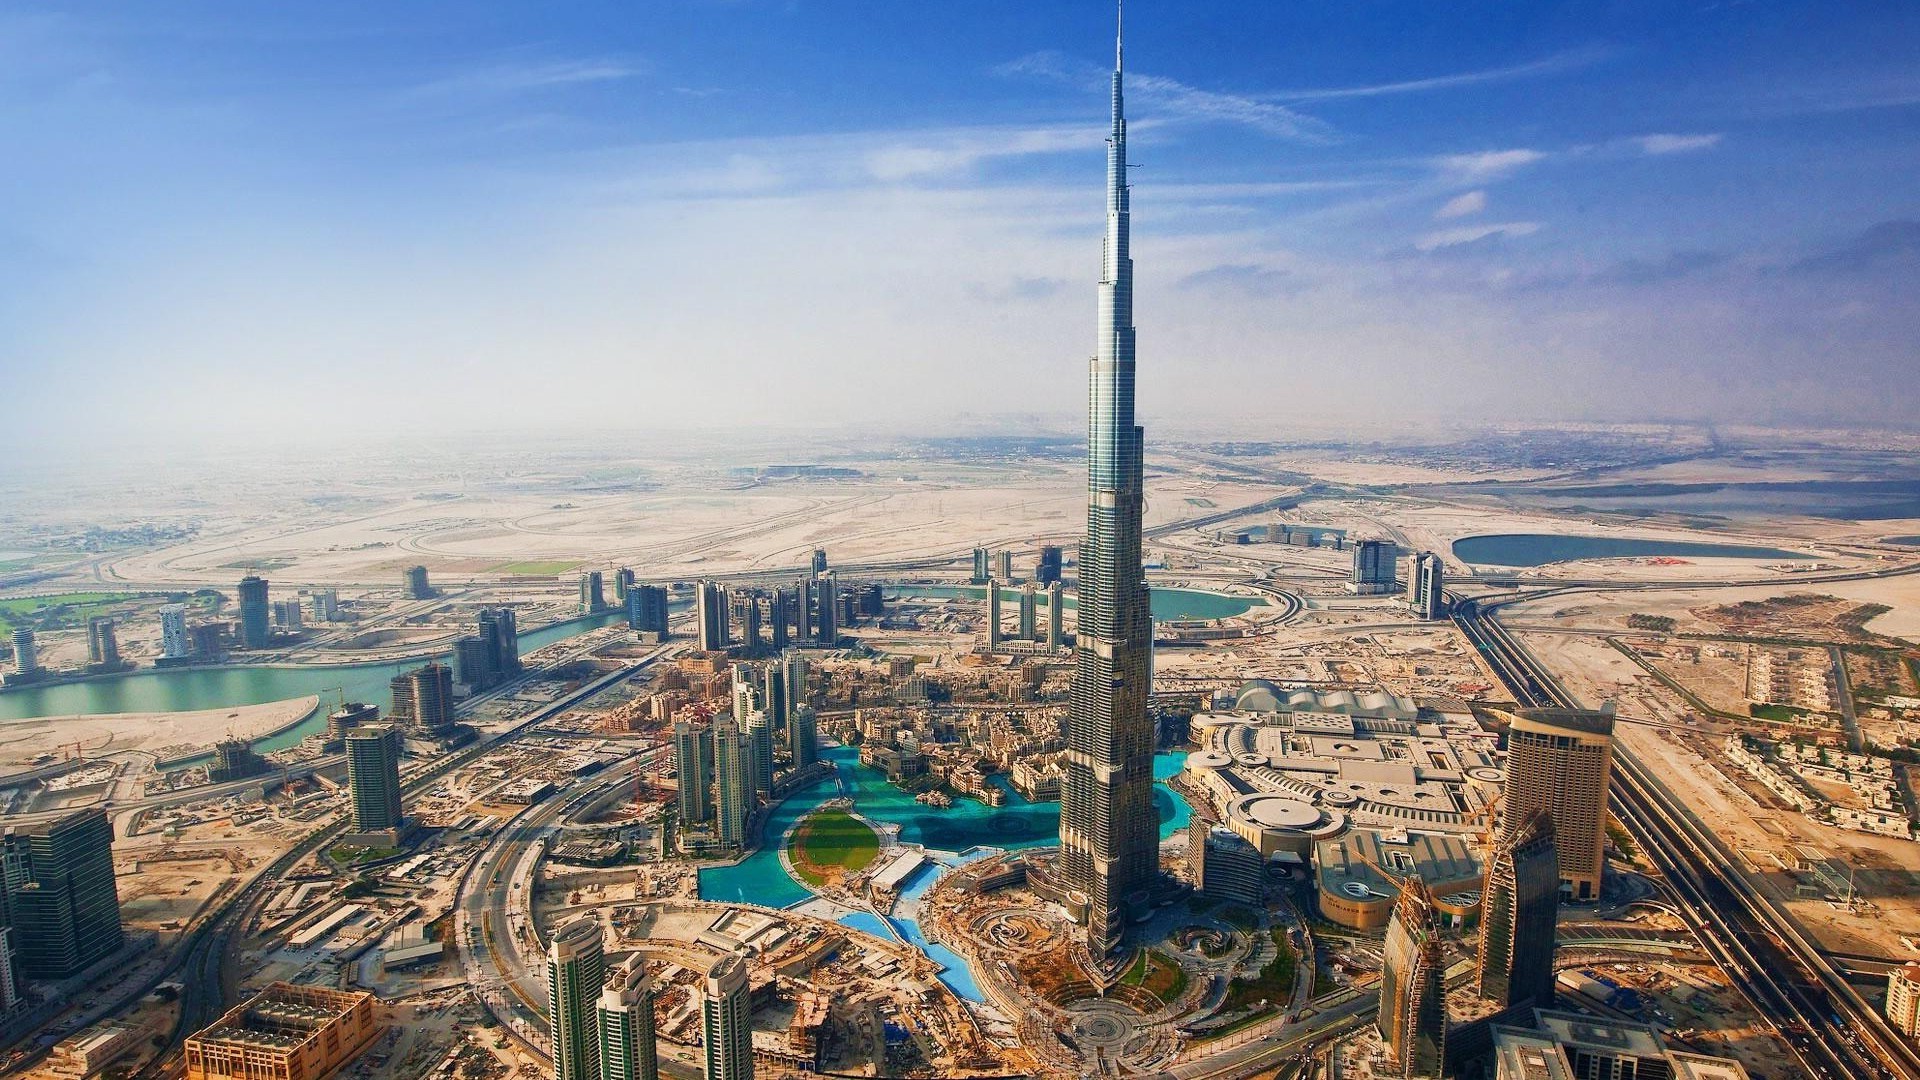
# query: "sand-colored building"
[285,1032]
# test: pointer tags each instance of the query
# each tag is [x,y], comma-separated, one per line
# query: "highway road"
[201,964]
[1832,1031]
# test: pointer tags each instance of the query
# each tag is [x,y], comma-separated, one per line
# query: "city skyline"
[319,203]
[1466,747]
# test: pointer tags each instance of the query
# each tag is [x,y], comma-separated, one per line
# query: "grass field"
[535,567]
[1157,974]
[832,841]
[1273,986]
[63,609]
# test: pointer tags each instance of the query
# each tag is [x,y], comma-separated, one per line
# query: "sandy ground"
[1609,610]
[22,740]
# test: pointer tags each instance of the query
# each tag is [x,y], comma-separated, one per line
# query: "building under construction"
[285,1032]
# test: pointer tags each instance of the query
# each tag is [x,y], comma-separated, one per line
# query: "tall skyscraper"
[576,973]
[1109,833]
[9,979]
[628,1048]
[1413,987]
[726,1021]
[57,881]
[593,596]
[1517,921]
[710,612]
[255,613]
[732,783]
[1560,761]
[746,693]
[622,583]
[416,583]
[780,618]
[1046,571]
[174,644]
[1426,586]
[772,677]
[26,654]
[1029,625]
[1006,566]
[373,778]
[1056,617]
[473,662]
[750,620]
[1372,568]
[819,560]
[827,617]
[103,645]
[1903,999]
[993,614]
[647,608]
[693,762]
[423,699]
[982,566]
[498,627]
[759,728]
[803,736]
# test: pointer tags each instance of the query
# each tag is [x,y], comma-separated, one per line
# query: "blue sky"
[214,215]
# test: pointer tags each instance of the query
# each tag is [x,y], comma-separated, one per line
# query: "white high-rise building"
[726,1021]
[1903,999]
[173,631]
[576,971]
[628,1049]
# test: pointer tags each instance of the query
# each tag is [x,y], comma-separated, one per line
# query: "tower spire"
[1109,834]
[1119,31]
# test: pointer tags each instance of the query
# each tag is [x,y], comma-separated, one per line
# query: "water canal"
[1539,549]
[949,833]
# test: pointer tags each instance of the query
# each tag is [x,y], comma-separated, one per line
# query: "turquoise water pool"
[966,825]
[761,879]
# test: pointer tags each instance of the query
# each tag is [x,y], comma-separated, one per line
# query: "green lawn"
[1273,985]
[1158,975]
[832,838]
[62,609]
[535,567]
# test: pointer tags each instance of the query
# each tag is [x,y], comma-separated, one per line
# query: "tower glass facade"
[576,970]
[628,1050]
[1521,912]
[373,777]
[57,881]
[1108,830]
[693,760]
[726,1022]
[732,783]
[1413,991]
[255,623]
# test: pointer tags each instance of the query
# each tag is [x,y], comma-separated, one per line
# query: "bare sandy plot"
[23,740]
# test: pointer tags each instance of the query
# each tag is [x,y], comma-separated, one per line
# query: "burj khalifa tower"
[1109,832]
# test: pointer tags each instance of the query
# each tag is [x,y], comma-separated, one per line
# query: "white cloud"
[954,152]
[1486,165]
[522,76]
[1467,234]
[1471,202]
[1676,144]
[1559,62]
[1177,101]
[1169,100]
